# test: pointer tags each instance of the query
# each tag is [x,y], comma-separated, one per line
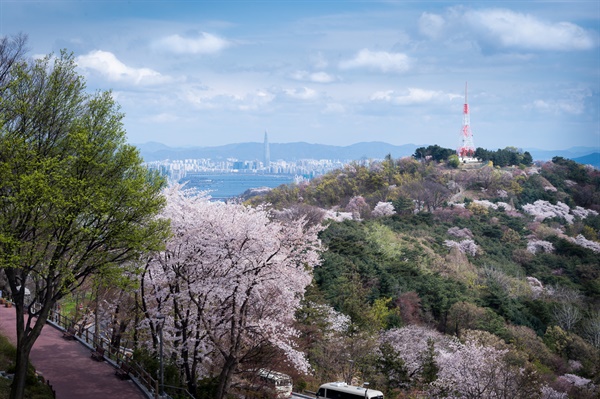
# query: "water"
[228,185]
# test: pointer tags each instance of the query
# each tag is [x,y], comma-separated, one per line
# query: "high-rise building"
[267,152]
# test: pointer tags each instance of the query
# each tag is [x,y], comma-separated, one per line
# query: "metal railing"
[113,355]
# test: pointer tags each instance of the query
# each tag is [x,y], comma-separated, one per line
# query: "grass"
[34,388]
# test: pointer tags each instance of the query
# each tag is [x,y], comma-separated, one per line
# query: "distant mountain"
[571,153]
[293,151]
[591,159]
[286,151]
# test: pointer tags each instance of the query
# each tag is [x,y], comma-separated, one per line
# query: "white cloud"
[162,118]
[413,96]
[316,77]
[557,107]
[431,25]
[207,99]
[303,93]
[511,29]
[572,102]
[204,43]
[380,60]
[106,64]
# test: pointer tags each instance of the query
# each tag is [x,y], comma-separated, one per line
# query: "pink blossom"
[229,280]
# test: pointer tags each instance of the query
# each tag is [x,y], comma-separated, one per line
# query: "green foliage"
[391,365]
[434,152]
[453,161]
[75,199]
[430,367]
[506,157]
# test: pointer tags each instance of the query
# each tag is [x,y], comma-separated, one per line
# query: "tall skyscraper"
[267,153]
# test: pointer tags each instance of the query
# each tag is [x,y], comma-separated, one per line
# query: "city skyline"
[338,72]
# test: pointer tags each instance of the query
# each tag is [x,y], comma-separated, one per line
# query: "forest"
[423,276]
[455,282]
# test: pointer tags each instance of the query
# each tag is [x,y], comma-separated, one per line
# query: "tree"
[75,200]
[229,283]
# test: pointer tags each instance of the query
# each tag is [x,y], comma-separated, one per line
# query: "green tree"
[75,200]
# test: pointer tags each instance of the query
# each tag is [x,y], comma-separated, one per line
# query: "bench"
[123,371]
[98,353]
[69,333]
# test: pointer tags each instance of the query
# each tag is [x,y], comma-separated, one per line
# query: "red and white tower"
[467,148]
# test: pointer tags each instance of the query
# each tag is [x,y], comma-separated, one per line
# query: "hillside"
[502,258]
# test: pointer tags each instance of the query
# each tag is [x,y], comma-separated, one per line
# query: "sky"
[208,73]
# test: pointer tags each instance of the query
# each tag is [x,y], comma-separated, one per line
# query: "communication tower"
[467,148]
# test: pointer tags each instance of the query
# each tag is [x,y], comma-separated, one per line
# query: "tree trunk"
[225,377]
[26,337]
[17,388]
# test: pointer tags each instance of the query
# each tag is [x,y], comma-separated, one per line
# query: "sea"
[222,186]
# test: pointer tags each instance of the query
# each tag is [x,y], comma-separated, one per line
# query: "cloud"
[162,118]
[378,60]
[303,93]
[431,25]
[315,77]
[207,100]
[556,107]
[572,101]
[106,64]
[413,96]
[203,43]
[510,29]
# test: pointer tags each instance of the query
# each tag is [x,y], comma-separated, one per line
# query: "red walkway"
[69,367]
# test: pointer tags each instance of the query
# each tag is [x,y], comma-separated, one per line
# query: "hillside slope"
[506,257]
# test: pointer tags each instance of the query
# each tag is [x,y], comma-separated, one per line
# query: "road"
[69,367]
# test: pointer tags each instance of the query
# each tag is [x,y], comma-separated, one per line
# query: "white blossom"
[337,216]
[541,210]
[460,233]
[550,393]
[584,242]
[583,213]
[229,279]
[383,209]
[577,381]
[489,204]
[465,246]
[535,246]
[537,288]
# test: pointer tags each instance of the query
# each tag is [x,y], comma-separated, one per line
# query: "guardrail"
[115,356]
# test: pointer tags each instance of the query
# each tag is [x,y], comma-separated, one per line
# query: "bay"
[229,185]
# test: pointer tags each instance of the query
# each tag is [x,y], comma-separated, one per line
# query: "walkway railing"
[112,354]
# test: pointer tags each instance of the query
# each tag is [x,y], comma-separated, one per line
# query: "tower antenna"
[467,148]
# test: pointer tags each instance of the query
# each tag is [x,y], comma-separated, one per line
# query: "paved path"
[68,365]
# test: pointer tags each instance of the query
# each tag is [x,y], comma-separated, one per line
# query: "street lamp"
[161,390]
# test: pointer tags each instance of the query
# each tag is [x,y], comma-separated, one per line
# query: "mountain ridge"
[154,151]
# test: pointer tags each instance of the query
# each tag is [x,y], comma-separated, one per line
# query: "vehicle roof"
[273,374]
[343,387]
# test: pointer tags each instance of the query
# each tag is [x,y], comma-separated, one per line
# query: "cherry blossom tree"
[465,246]
[383,209]
[228,283]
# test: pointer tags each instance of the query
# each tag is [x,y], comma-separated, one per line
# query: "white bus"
[278,382]
[341,390]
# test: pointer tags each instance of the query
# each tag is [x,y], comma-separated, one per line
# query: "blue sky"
[206,73]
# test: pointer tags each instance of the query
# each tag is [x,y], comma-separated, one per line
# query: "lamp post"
[161,377]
